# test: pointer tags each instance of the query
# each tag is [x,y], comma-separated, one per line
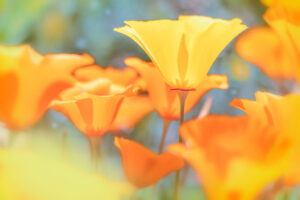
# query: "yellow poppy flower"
[183,50]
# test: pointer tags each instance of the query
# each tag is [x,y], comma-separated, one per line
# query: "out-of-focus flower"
[29,81]
[236,156]
[165,100]
[183,50]
[132,109]
[283,113]
[118,76]
[93,106]
[275,49]
[142,167]
[285,3]
[26,176]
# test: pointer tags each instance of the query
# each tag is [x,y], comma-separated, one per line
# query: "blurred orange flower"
[236,156]
[275,49]
[165,100]
[29,81]
[283,113]
[92,106]
[132,109]
[142,167]
[183,50]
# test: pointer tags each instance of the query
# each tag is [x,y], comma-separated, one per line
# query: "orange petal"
[35,80]
[285,21]
[283,113]
[98,86]
[183,50]
[91,114]
[118,76]
[215,147]
[262,47]
[142,167]
[132,110]
[165,100]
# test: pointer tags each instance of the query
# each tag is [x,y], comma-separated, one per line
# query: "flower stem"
[94,142]
[166,124]
[182,97]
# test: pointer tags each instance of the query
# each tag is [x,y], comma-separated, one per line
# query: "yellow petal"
[183,50]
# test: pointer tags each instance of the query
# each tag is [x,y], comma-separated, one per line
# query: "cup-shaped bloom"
[283,113]
[26,175]
[279,44]
[132,109]
[164,99]
[236,156]
[92,110]
[183,50]
[29,81]
[142,167]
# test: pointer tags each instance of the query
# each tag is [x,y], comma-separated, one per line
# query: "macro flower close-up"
[149,100]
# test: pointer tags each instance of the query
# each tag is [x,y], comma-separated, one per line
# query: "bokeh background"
[86,26]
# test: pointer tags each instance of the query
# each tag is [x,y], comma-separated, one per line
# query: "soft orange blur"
[275,49]
[283,113]
[236,156]
[29,81]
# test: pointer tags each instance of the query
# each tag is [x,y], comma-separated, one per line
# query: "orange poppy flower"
[235,156]
[279,44]
[93,106]
[132,109]
[165,100]
[183,50]
[142,167]
[283,113]
[29,81]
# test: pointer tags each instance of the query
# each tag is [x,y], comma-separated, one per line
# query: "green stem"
[94,143]
[182,97]
[166,124]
